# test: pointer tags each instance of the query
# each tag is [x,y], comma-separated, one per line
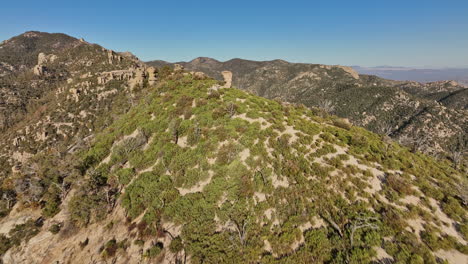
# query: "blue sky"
[367,33]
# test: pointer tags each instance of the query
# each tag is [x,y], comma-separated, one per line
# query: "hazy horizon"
[313,62]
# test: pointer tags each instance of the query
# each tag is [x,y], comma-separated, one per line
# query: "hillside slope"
[194,173]
[84,91]
[429,117]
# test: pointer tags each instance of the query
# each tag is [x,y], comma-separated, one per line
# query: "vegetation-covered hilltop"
[194,173]
[430,117]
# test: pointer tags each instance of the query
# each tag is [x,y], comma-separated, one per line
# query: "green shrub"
[55,228]
[399,184]
[5,244]
[342,123]
[176,245]
[20,233]
[109,249]
[154,250]
[139,242]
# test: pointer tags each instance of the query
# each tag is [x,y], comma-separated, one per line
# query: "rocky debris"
[227,75]
[178,68]
[112,56]
[151,72]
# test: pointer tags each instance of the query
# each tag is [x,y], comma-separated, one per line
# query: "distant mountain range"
[416,74]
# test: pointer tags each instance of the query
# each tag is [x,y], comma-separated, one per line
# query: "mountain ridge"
[316,85]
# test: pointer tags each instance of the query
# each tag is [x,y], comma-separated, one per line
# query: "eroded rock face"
[120,75]
[113,57]
[138,79]
[151,73]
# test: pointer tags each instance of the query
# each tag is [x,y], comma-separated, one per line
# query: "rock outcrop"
[113,57]
[134,76]
[44,59]
[40,69]
[119,75]
[227,75]
[151,72]
[138,78]
[178,68]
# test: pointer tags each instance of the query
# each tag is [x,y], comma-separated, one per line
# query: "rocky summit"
[107,159]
